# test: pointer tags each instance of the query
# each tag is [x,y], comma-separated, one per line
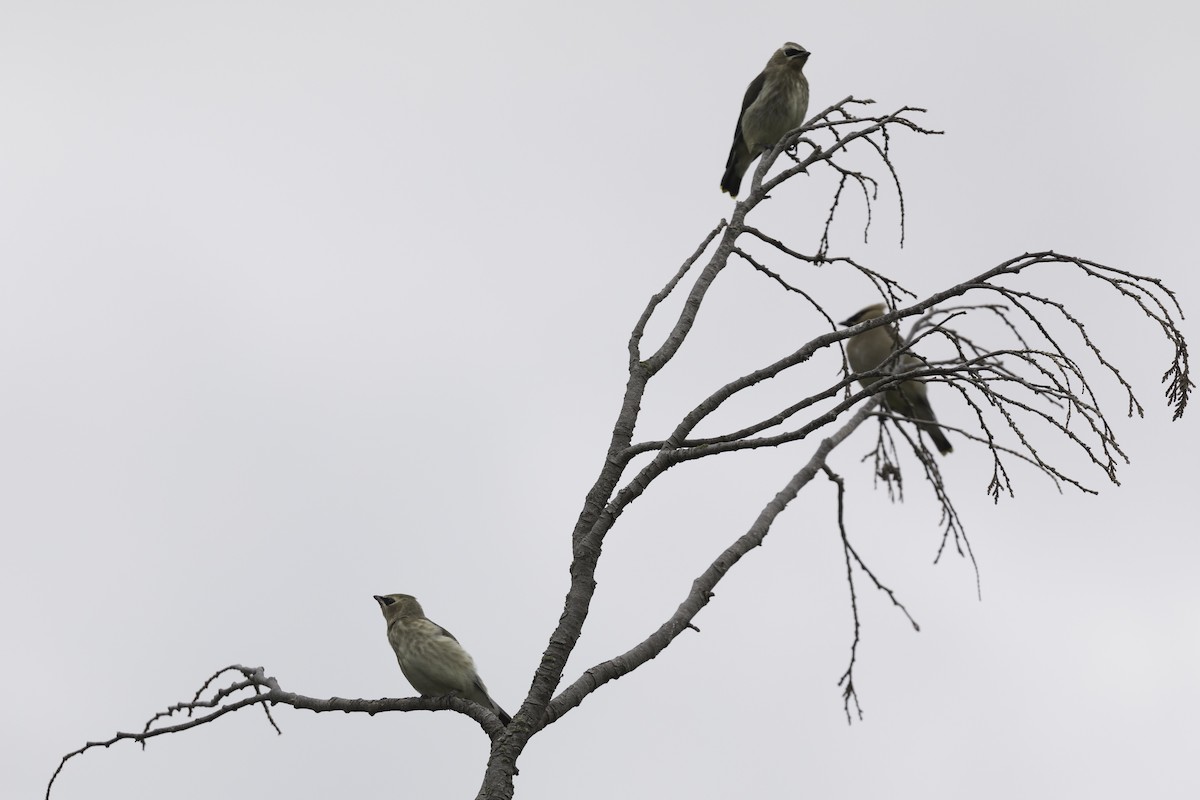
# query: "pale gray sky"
[305,302]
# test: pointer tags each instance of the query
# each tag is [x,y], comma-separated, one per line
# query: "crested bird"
[429,655]
[870,349]
[775,103]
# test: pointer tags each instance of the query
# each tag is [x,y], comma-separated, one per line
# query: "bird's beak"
[378,599]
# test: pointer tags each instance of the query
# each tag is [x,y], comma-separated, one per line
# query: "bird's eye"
[791,52]
[387,601]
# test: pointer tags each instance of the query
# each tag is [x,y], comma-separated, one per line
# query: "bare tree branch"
[702,587]
[1036,381]
[267,693]
[849,693]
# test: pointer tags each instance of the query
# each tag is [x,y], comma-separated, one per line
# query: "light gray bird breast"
[780,107]
[776,101]
[433,662]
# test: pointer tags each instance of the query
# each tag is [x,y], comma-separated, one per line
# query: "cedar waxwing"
[868,350]
[775,103]
[429,655]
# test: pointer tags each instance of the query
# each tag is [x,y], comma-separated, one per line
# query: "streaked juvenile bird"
[429,655]
[868,350]
[775,103]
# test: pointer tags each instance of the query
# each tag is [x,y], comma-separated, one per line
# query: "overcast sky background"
[307,302]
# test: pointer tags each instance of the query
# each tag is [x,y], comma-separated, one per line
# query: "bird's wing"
[442,631]
[443,666]
[752,93]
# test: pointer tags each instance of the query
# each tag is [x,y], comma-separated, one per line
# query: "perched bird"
[868,350]
[775,103]
[429,655]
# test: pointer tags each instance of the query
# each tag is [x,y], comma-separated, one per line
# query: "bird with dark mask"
[776,102]
[868,350]
[429,655]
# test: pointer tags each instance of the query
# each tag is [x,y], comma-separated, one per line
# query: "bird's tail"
[736,166]
[912,403]
[731,181]
[482,694]
[939,439]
